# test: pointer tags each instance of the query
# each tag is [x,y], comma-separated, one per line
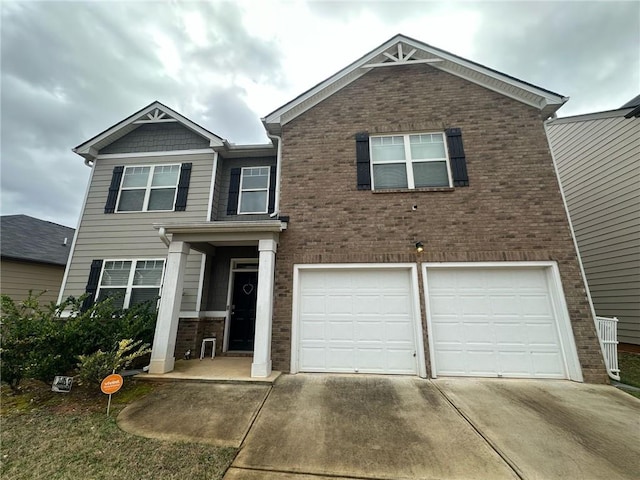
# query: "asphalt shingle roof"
[31,239]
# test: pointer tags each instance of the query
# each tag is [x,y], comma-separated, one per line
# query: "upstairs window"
[130,282]
[151,188]
[409,161]
[254,190]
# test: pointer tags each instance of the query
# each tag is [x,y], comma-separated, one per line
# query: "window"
[254,190]
[148,188]
[409,161]
[130,282]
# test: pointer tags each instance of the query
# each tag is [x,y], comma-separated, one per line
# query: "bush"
[94,367]
[37,343]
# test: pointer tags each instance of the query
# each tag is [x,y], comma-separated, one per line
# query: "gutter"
[276,207]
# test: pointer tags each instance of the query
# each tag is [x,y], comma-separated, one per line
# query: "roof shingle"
[31,239]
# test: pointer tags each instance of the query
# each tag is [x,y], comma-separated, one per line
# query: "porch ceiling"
[201,236]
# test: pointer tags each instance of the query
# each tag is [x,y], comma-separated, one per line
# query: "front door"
[243,311]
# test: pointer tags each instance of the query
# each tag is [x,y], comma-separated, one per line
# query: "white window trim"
[148,188]
[129,287]
[266,207]
[408,161]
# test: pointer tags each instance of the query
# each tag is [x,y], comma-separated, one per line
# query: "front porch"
[217,370]
[237,296]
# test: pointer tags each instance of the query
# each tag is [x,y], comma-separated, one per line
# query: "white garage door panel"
[356,320]
[494,322]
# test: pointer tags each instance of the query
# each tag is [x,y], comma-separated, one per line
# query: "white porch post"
[164,340]
[261,366]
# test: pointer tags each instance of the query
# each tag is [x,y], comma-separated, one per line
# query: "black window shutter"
[92,284]
[457,158]
[362,161]
[183,187]
[112,198]
[234,191]
[272,189]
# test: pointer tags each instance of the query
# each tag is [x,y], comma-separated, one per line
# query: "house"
[406,218]
[33,256]
[598,161]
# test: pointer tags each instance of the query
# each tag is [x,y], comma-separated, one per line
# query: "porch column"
[261,366]
[164,340]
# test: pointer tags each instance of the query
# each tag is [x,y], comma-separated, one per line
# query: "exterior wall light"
[419,247]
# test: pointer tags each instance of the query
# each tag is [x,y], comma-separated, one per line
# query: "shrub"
[95,366]
[37,343]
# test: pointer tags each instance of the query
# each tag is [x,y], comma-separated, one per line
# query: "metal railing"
[608,335]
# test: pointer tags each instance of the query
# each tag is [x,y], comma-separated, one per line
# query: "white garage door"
[356,321]
[493,322]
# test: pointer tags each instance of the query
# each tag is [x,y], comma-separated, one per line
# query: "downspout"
[163,236]
[276,207]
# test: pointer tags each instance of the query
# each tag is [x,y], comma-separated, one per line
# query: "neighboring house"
[304,251]
[598,161]
[34,254]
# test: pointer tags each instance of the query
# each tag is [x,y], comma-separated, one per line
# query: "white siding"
[131,235]
[599,165]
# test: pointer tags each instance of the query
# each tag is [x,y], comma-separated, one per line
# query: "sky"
[69,70]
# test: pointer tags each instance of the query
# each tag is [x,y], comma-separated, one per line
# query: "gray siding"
[222,185]
[131,235]
[157,137]
[218,268]
[599,165]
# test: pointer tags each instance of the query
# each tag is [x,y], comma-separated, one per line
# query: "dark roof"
[634,102]
[31,239]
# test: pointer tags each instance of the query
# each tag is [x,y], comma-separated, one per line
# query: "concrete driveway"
[377,427]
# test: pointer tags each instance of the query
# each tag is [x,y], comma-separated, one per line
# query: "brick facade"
[511,211]
[191,331]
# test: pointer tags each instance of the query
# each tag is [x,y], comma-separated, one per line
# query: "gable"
[157,137]
[153,115]
[401,51]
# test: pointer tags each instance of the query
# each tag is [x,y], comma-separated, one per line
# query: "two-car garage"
[506,319]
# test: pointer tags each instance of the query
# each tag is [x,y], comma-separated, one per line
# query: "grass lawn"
[629,364]
[68,436]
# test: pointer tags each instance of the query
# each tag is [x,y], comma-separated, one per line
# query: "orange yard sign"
[111,384]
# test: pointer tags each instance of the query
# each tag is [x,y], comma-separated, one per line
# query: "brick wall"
[512,209]
[191,331]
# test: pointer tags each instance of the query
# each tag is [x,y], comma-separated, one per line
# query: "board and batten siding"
[131,235]
[598,160]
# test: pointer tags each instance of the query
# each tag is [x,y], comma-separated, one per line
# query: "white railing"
[608,335]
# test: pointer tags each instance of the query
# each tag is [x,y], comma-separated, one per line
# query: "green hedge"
[38,343]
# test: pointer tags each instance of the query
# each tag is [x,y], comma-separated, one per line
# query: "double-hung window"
[130,282]
[409,161]
[254,190]
[149,188]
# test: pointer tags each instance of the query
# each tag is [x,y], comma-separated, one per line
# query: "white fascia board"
[545,98]
[167,153]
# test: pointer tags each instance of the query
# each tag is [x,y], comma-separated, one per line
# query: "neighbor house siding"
[20,277]
[131,235]
[598,162]
[512,209]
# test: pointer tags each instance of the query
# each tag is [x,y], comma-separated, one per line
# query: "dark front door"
[243,311]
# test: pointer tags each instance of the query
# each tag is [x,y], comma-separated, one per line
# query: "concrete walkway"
[215,413]
[321,427]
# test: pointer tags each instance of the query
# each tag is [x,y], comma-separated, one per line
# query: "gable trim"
[545,100]
[89,149]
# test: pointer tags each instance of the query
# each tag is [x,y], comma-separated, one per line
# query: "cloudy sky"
[71,69]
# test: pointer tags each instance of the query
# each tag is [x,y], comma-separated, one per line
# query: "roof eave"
[546,101]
